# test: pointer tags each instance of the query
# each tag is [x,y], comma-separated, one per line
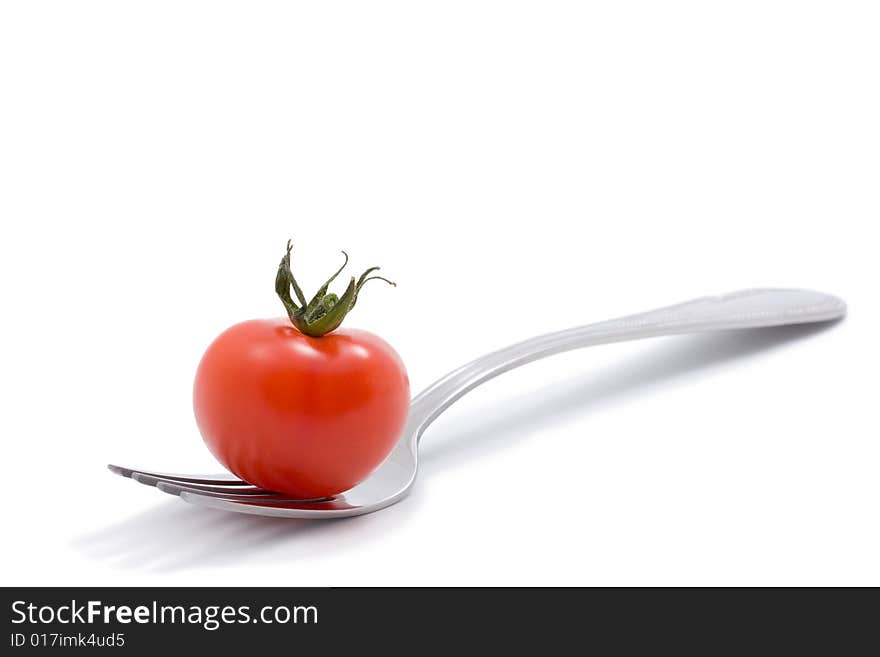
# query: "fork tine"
[150,480]
[258,496]
[222,479]
[334,507]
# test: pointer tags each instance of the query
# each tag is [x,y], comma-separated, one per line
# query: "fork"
[394,479]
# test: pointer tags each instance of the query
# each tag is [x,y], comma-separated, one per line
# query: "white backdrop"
[517,167]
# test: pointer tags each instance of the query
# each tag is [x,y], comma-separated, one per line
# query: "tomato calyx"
[325,312]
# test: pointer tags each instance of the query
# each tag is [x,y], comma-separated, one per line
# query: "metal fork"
[393,480]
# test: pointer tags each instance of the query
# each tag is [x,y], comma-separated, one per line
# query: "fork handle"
[738,310]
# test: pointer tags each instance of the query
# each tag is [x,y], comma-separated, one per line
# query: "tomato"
[298,405]
[305,416]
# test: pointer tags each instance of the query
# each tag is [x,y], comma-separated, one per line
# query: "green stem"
[325,312]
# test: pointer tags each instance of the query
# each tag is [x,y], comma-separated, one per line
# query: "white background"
[518,167]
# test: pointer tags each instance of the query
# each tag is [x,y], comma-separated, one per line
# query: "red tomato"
[305,416]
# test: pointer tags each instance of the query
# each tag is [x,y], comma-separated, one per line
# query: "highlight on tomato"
[299,405]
